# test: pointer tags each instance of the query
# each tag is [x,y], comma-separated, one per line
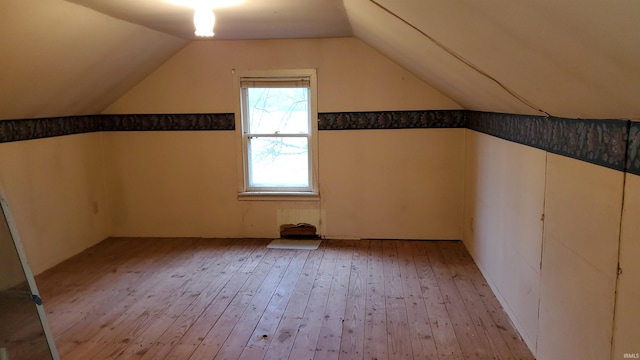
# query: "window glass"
[277,115]
[279,162]
[278,110]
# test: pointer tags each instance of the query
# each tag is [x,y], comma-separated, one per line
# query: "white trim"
[244,191]
[279,196]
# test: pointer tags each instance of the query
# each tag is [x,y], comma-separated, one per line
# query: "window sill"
[278,196]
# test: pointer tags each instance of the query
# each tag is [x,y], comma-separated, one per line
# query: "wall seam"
[620,230]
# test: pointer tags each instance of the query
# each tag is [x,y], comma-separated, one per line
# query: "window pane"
[278,162]
[278,110]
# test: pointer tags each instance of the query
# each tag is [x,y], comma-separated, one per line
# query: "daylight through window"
[278,134]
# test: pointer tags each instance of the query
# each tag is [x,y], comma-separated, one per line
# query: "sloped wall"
[63,59]
[571,58]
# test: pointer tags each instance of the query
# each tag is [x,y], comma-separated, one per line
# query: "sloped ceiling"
[571,58]
[58,59]
[244,19]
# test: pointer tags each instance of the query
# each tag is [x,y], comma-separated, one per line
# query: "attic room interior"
[473,174]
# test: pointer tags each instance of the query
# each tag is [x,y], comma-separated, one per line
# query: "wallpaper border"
[613,143]
[633,148]
[391,120]
[28,129]
[597,141]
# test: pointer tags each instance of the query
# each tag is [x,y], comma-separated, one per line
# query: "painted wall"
[585,50]
[55,188]
[583,206]
[61,59]
[568,262]
[351,77]
[627,326]
[373,183]
[504,200]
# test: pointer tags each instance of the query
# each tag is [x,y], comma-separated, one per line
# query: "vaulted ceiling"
[571,58]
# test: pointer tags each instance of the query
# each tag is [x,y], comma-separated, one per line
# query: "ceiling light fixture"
[203,17]
[211,4]
[204,20]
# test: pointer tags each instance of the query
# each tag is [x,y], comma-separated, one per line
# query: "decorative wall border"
[611,143]
[600,142]
[28,129]
[633,148]
[168,122]
[391,120]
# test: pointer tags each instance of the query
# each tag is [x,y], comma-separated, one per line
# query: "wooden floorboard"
[131,298]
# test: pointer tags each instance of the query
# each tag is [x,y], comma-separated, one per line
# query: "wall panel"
[627,326]
[55,188]
[583,205]
[504,199]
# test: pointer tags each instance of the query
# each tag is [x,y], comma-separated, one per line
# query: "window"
[278,126]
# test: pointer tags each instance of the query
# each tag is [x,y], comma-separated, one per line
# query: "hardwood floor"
[236,299]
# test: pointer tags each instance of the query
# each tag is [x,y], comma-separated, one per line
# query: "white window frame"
[245,191]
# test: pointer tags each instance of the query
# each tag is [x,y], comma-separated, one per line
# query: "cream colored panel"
[262,219]
[408,47]
[173,184]
[583,210]
[627,324]
[392,184]
[504,199]
[381,184]
[55,188]
[351,77]
[185,184]
[63,59]
[580,256]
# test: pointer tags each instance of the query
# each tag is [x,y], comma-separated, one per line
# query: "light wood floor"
[236,299]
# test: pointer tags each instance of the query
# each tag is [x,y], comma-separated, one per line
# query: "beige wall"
[585,51]
[351,77]
[583,205]
[627,326]
[373,183]
[60,59]
[173,184]
[392,184]
[504,200]
[55,188]
[507,188]
[185,184]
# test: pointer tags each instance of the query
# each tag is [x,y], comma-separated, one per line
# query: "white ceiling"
[251,19]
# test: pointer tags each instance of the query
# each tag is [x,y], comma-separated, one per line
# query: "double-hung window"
[279,124]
